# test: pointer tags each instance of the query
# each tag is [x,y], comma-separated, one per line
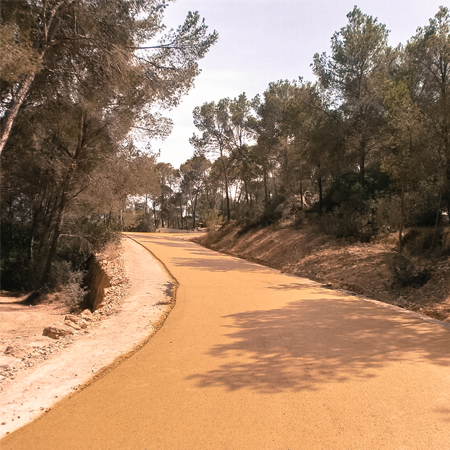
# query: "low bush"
[407,271]
[68,282]
[212,219]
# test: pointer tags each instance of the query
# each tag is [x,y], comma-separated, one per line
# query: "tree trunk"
[62,204]
[362,164]
[181,215]
[319,181]
[246,195]
[194,209]
[54,245]
[402,214]
[226,192]
[32,235]
[301,194]
[17,101]
[154,214]
[266,189]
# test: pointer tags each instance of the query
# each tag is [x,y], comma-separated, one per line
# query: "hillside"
[374,269]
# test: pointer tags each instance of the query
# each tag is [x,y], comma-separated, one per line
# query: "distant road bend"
[251,358]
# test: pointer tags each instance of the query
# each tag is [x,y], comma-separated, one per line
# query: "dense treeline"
[81,81]
[365,149]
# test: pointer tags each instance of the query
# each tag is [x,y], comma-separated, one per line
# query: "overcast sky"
[261,41]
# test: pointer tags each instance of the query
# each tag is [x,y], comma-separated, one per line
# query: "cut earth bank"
[360,268]
[37,371]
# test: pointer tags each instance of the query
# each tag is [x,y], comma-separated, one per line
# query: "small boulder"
[83,324]
[57,330]
[72,318]
[16,350]
[87,315]
[72,324]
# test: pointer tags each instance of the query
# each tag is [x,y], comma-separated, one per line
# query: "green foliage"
[79,81]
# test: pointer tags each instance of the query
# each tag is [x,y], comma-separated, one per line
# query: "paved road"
[254,359]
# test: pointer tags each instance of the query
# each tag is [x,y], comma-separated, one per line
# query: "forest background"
[362,151]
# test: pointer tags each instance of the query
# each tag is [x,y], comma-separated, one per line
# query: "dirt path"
[252,358]
[38,388]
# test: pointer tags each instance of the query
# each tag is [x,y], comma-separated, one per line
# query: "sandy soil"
[355,267]
[42,370]
[251,358]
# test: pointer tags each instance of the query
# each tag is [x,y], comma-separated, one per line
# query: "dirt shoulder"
[360,268]
[38,371]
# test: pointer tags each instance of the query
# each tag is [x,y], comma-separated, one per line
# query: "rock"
[83,324]
[80,322]
[73,325]
[87,315]
[16,350]
[56,331]
[72,318]
[9,363]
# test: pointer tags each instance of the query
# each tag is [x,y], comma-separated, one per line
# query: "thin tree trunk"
[49,214]
[56,234]
[194,209]
[319,181]
[402,213]
[437,220]
[266,189]
[362,164]
[32,234]
[63,202]
[246,195]
[226,192]
[154,214]
[301,194]
[17,101]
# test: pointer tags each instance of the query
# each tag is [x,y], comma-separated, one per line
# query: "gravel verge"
[135,308]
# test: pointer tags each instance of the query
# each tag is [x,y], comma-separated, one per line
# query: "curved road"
[251,358]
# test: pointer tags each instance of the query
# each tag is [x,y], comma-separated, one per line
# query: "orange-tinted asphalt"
[250,358]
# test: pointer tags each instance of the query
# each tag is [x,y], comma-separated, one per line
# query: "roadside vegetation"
[82,83]
[362,152]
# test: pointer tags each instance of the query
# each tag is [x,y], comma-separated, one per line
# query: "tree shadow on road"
[312,342]
[213,263]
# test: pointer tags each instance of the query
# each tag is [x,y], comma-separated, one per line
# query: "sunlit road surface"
[251,358]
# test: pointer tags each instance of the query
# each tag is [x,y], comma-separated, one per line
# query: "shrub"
[73,293]
[69,282]
[407,272]
[418,241]
[212,219]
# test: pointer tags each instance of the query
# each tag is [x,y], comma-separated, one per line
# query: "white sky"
[261,41]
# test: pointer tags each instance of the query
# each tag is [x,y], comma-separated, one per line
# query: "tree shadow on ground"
[214,264]
[199,257]
[157,240]
[316,341]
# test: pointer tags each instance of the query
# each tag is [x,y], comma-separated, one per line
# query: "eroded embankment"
[118,328]
[361,268]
